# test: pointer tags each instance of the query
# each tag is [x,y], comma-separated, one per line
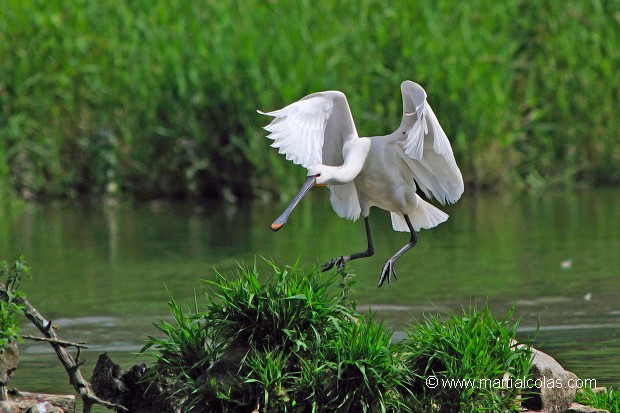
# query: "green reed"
[158,98]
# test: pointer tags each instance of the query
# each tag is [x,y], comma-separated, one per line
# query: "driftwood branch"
[54,341]
[70,364]
[24,400]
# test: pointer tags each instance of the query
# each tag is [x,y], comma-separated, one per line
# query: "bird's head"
[323,174]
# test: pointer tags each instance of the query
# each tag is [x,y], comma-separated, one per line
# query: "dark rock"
[107,380]
[128,389]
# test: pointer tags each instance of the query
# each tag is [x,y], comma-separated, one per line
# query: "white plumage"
[318,133]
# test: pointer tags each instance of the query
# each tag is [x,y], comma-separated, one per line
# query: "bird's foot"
[339,262]
[387,272]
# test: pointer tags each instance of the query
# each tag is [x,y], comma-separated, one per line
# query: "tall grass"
[158,98]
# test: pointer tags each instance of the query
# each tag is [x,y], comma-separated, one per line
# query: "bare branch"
[55,341]
[81,385]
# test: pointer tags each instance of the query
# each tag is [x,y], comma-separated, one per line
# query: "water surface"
[101,272]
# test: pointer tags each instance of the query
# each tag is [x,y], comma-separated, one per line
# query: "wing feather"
[344,201]
[427,148]
[312,130]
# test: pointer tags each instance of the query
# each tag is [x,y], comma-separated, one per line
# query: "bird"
[318,133]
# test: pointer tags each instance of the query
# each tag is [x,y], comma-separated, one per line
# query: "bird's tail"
[424,215]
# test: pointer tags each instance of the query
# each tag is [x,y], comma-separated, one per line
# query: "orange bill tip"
[276,226]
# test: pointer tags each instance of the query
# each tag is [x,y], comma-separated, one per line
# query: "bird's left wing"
[427,148]
[313,130]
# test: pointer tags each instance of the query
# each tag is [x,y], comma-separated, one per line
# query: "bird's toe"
[387,273]
[339,262]
[328,265]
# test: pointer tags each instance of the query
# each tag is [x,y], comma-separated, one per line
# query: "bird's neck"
[354,153]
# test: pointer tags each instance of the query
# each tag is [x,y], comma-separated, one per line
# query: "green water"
[101,272]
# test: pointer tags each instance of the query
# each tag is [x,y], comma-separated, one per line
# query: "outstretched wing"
[313,130]
[427,148]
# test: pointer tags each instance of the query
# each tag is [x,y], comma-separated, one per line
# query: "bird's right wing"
[427,148]
[313,130]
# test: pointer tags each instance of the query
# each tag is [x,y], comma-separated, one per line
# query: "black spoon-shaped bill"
[281,220]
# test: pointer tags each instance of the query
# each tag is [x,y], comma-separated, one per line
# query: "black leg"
[388,268]
[340,262]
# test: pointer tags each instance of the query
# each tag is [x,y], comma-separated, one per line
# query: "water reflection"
[101,270]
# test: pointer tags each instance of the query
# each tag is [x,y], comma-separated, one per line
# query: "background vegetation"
[158,98]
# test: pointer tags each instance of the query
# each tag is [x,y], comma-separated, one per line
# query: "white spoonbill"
[318,133]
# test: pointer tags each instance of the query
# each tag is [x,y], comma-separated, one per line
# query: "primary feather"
[428,149]
[312,130]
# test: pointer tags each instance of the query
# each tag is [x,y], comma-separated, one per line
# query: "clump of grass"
[290,310]
[291,342]
[287,342]
[472,347]
[184,350]
[608,399]
[363,359]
